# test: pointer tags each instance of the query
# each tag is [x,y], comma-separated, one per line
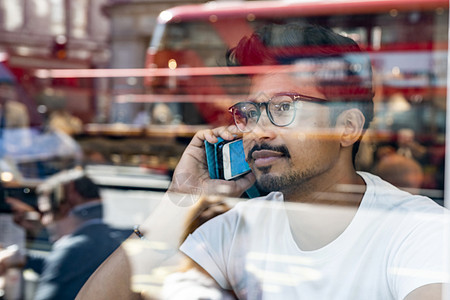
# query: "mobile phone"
[226,159]
[26,195]
[233,159]
[219,158]
[212,159]
[234,162]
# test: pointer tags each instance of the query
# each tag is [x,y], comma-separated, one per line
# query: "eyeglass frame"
[294,96]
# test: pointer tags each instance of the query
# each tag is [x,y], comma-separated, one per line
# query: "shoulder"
[411,218]
[380,194]
[94,238]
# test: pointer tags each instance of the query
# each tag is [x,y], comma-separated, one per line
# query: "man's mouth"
[265,155]
[264,158]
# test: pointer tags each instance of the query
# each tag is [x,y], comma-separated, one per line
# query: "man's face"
[55,212]
[282,158]
[54,218]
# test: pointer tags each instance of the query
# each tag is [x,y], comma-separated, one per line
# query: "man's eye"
[283,107]
[252,114]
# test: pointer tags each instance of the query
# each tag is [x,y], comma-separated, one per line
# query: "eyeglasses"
[281,110]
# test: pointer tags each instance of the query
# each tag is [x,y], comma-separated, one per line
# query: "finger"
[201,136]
[11,200]
[18,205]
[235,131]
[211,136]
[228,132]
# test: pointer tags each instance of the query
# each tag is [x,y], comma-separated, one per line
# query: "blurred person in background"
[63,120]
[401,171]
[72,212]
[322,230]
[14,114]
[407,145]
[58,116]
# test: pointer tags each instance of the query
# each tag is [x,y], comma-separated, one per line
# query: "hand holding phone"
[196,173]
[226,160]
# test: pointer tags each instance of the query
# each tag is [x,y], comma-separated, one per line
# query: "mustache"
[264,146]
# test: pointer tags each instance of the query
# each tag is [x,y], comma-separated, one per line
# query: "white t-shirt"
[192,285]
[394,244]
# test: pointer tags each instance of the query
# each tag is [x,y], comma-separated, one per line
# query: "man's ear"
[351,122]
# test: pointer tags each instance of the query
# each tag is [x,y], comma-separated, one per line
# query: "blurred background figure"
[401,171]
[63,120]
[408,146]
[12,240]
[71,210]
[14,114]
[162,114]
[192,282]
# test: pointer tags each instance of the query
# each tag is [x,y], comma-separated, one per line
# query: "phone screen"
[233,157]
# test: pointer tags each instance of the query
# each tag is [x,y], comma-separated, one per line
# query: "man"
[305,150]
[310,237]
[72,211]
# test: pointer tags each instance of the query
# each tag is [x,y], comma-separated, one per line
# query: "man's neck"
[338,186]
[335,202]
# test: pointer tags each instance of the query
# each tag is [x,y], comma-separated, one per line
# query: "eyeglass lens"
[280,110]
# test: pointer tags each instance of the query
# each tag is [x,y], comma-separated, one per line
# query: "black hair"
[293,43]
[87,188]
[83,185]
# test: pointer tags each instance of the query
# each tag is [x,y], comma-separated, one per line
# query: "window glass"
[229,151]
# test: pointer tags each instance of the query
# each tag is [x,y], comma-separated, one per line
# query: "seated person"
[72,212]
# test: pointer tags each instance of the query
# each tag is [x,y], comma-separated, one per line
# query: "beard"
[286,183]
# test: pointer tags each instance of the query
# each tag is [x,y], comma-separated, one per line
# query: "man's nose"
[264,129]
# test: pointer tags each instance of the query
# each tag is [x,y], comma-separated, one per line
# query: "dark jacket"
[75,257]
